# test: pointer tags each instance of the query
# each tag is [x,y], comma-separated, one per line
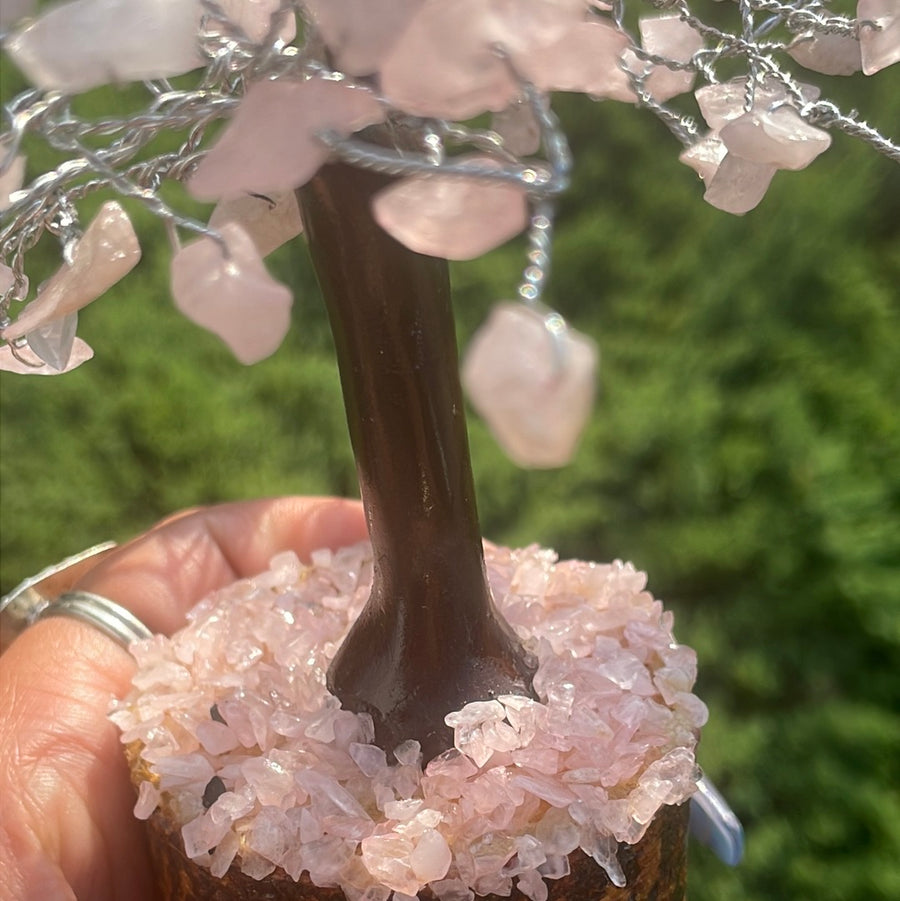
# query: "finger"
[67,797]
[162,574]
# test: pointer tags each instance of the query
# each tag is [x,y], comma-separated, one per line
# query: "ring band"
[50,593]
[110,618]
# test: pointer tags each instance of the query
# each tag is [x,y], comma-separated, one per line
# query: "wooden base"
[655,870]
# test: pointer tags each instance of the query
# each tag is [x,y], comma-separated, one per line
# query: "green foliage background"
[745,451]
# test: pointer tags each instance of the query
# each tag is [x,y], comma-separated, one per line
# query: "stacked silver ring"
[50,594]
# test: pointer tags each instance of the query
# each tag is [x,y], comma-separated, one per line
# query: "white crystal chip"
[532,385]
[587,764]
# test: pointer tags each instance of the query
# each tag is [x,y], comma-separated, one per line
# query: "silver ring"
[110,618]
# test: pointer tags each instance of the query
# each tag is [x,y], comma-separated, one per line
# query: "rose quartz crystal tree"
[399,134]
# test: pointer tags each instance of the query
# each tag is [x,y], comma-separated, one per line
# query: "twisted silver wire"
[112,153]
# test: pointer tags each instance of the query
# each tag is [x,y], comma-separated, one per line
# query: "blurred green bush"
[745,451]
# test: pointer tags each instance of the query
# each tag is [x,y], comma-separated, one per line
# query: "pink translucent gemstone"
[104,254]
[738,185]
[7,278]
[722,102]
[519,129]
[13,10]
[450,216]
[705,156]
[673,38]
[431,857]
[778,138]
[359,33]
[585,59]
[830,54]
[270,220]
[79,45]
[254,18]
[534,390]
[880,46]
[427,74]
[271,144]
[34,365]
[11,179]
[234,297]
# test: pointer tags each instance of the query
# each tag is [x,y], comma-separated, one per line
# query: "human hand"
[67,829]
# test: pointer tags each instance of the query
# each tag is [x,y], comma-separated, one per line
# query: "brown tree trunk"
[429,639]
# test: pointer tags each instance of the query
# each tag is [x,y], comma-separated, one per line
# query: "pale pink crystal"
[705,155]
[233,297]
[584,59]
[778,138]
[85,43]
[673,38]
[427,74]
[254,18]
[830,54]
[13,10]
[11,178]
[738,185]
[519,129]
[7,279]
[451,216]
[105,253]
[271,144]
[534,388]
[270,220]
[359,33]
[721,102]
[386,857]
[431,858]
[600,727]
[880,46]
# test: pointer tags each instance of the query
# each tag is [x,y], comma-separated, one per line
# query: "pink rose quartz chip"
[720,103]
[451,216]
[778,138]
[270,220]
[880,46]
[519,129]
[104,254]
[234,297]
[673,38]
[11,179]
[426,74]
[705,155]
[34,365]
[585,59]
[85,43]
[830,54]
[359,33]
[271,144]
[254,18]
[13,10]
[7,279]
[738,185]
[608,740]
[532,386]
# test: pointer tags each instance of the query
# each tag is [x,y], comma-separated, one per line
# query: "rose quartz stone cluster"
[263,769]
